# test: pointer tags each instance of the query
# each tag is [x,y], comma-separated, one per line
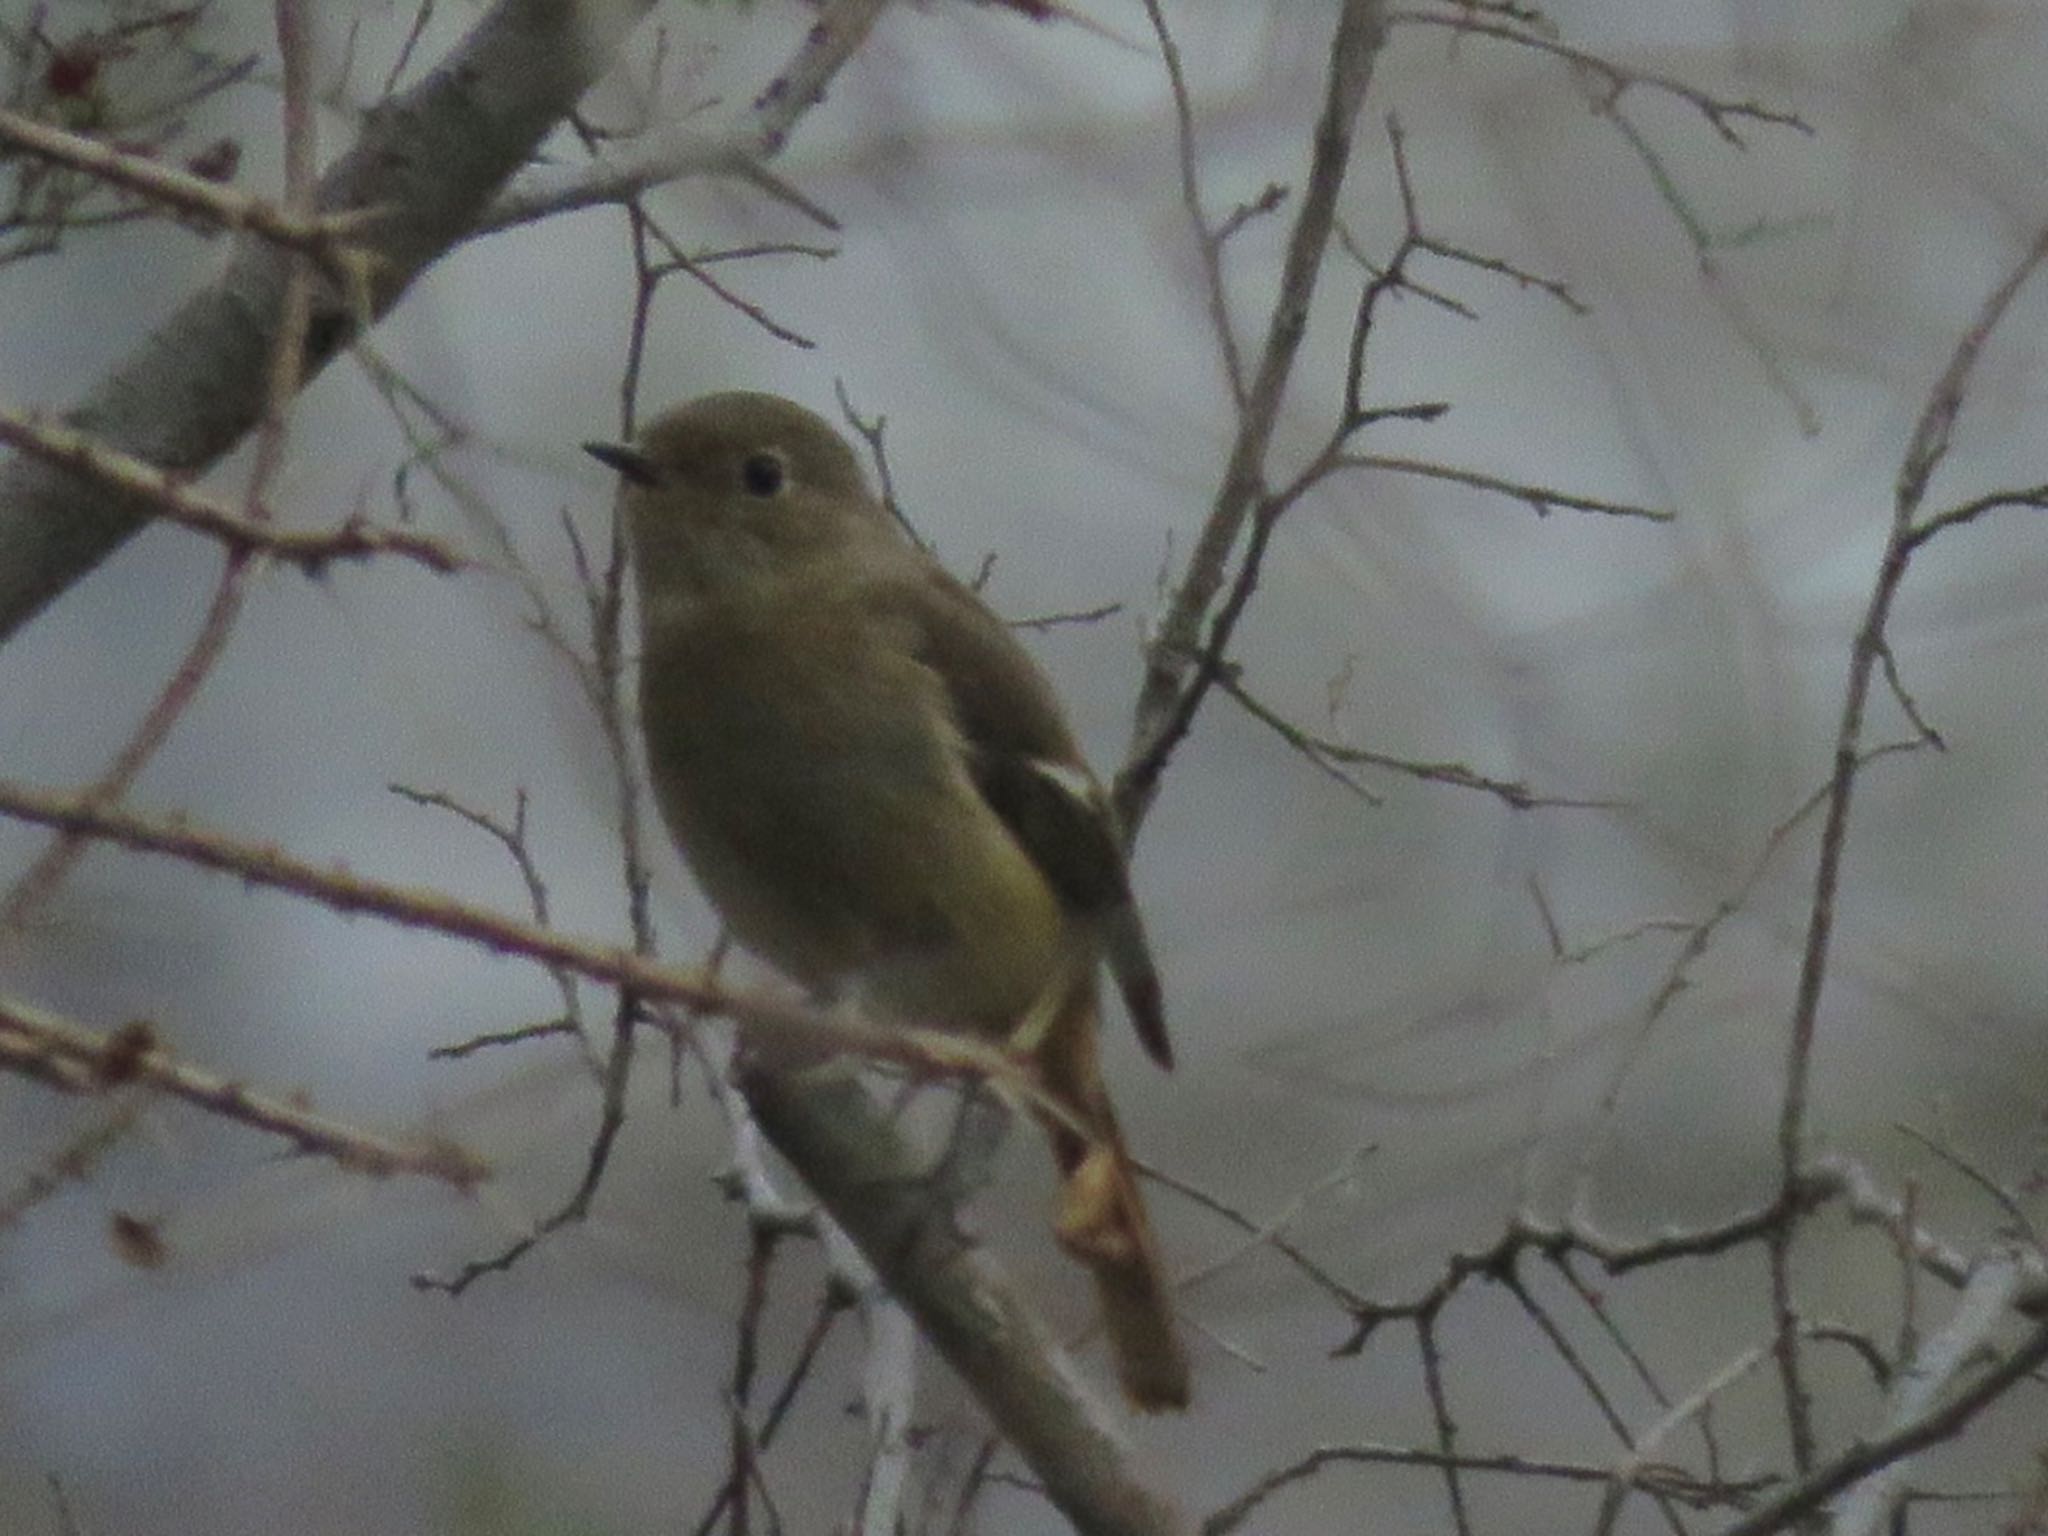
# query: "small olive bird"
[875,786]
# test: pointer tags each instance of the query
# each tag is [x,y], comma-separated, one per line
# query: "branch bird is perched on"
[875,786]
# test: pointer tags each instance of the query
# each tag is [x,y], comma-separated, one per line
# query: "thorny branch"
[767,1019]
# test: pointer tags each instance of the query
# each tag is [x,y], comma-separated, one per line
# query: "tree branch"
[427,161]
[764,1018]
[181,191]
[427,164]
[886,1199]
[687,150]
[74,1059]
[1161,717]
[157,494]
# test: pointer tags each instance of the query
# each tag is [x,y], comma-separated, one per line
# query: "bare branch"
[1869,1456]
[512,838]
[1637,1471]
[1671,1482]
[1271,1232]
[1921,1382]
[769,1021]
[1722,116]
[46,874]
[1208,242]
[878,1190]
[1596,1393]
[72,1163]
[74,1059]
[871,430]
[2033,498]
[684,150]
[1165,705]
[1929,445]
[1041,622]
[1332,757]
[1446,1425]
[166,497]
[1541,499]
[318,236]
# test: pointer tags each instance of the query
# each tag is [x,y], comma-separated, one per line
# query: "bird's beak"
[628,461]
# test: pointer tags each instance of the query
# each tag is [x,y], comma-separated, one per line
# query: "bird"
[875,786]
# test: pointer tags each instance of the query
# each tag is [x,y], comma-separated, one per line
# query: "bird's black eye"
[763,474]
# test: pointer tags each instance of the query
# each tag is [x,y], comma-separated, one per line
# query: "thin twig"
[209,643]
[1541,499]
[1594,1389]
[1673,1482]
[1928,447]
[1721,115]
[512,838]
[742,149]
[72,1163]
[1446,1426]
[1208,242]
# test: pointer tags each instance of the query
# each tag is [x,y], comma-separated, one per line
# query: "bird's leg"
[1055,1044]
[1027,1042]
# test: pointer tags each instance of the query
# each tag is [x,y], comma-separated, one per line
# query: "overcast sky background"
[1015,288]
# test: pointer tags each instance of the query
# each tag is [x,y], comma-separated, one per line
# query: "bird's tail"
[1102,1220]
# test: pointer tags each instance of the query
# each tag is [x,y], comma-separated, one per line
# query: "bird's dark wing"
[1029,769]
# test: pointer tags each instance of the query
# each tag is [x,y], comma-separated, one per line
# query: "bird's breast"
[808,766]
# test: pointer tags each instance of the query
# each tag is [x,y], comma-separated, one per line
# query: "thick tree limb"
[887,1200]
